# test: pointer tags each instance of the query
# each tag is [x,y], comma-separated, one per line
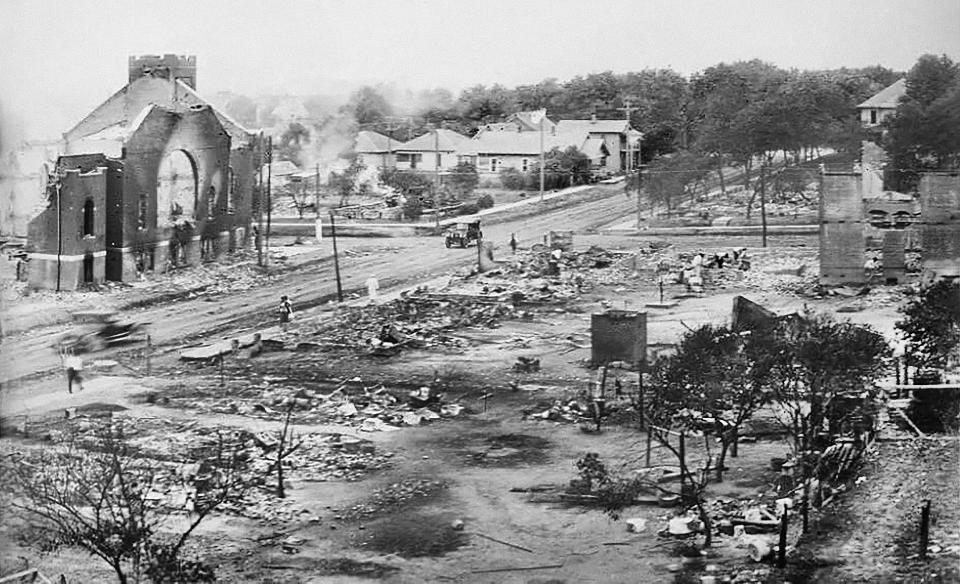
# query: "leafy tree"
[813,359]
[563,168]
[512,179]
[97,494]
[292,141]
[485,104]
[676,176]
[464,180]
[712,376]
[931,325]
[485,201]
[348,183]
[368,105]
[925,132]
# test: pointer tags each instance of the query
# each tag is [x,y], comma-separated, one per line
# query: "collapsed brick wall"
[842,245]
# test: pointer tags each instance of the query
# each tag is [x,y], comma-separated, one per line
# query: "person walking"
[74,366]
[513,243]
[285,310]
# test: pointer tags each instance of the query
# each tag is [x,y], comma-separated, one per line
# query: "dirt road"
[412,260]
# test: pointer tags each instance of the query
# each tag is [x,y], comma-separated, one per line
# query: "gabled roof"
[525,119]
[593,126]
[445,141]
[888,98]
[373,143]
[517,143]
[123,107]
[595,148]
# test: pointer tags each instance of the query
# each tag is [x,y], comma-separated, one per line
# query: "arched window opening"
[211,201]
[142,209]
[88,218]
[232,188]
[176,190]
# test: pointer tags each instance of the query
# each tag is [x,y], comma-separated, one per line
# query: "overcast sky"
[59,59]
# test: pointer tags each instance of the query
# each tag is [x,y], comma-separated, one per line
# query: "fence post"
[924,528]
[782,551]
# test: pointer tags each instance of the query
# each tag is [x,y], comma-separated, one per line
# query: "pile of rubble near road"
[350,404]
[414,321]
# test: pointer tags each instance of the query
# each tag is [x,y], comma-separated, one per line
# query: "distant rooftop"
[888,98]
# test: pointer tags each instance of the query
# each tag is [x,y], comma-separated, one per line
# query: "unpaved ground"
[394,523]
[872,534]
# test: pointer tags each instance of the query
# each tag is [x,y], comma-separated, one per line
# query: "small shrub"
[512,179]
[485,201]
[468,209]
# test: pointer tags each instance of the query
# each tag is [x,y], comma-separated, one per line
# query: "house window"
[88,218]
[233,187]
[494,164]
[873,116]
[142,209]
[211,201]
[525,164]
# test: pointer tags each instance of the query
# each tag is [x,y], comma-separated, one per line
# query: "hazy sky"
[59,59]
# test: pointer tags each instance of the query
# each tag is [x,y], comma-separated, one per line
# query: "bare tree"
[103,496]
[287,444]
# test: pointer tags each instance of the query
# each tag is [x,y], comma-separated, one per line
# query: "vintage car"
[99,331]
[461,234]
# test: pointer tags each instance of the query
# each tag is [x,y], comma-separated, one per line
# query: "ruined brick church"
[153,178]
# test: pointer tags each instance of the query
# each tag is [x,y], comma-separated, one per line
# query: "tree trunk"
[281,493]
[723,184]
[121,577]
[707,523]
[735,443]
[747,165]
[721,458]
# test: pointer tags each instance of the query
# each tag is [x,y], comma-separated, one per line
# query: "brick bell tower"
[169,66]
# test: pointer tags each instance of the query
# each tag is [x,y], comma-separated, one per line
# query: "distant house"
[518,122]
[281,173]
[375,150]
[882,105]
[434,151]
[606,142]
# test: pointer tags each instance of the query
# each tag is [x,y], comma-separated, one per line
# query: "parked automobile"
[461,234]
[105,331]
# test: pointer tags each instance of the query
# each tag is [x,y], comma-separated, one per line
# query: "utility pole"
[59,228]
[628,109]
[436,176]
[542,156]
[316,192]
[336,260]
[260,193]
[763,203]
[269,198]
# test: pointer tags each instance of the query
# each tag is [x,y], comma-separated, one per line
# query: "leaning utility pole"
[336,260]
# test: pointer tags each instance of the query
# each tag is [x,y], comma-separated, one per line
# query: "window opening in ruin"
[142,207]
[211,201]
[232,189]
[88,218]
[206,249]
[176,190]
[88,268]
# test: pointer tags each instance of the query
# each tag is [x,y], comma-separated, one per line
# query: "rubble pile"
[416,321]
[350,404]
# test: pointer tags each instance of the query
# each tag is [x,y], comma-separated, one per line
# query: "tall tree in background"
[925,132]
[368,105]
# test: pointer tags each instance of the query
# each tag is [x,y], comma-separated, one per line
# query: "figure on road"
[74,366]
[513,243]
[284,310]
